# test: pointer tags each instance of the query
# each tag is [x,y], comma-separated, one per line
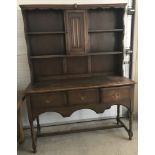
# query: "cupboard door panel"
[76,31]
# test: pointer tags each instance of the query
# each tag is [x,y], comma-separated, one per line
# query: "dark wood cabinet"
[75,55]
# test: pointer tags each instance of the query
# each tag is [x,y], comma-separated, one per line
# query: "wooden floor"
[101,142]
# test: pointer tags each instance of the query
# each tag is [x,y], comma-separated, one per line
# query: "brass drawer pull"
[47,101]
[116,96]
[82,98]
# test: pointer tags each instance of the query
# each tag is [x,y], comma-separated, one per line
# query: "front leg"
[130,125]
[118,114]
[33,137]
[30,116]
[38,126]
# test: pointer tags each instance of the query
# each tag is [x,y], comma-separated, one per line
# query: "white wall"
[23,73]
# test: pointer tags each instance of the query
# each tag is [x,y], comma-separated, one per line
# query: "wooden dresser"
[75,55]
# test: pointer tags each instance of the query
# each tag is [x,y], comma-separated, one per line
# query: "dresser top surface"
[72,6]
[80,83]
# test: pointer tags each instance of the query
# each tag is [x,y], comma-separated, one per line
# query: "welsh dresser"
[75,54]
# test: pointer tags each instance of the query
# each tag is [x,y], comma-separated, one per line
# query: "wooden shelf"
[105,53]
[100,31]
[44,33]
[46,56]
[88,54]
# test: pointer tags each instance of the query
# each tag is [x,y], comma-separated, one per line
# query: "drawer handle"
[116,96]
[82,98]
[47,101]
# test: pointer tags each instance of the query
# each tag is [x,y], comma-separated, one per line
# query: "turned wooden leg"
[118,114]
[20,131]
[130,125]
[33,137]
[38,126]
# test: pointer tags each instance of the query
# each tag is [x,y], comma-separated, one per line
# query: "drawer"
[48,100]
[115,95]
[87,96]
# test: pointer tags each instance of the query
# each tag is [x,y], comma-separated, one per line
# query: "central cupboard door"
[75,31]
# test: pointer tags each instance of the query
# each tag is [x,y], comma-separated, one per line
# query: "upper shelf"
[42,33]
[62,32]
[111,30]
[62,55]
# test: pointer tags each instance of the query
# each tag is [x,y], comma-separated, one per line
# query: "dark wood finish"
[112,16]
[77,65]
[105,42]
[48,99]
[75,54]
[116,95]
[20,131]
[75,31]
[110,30]
[86,96]
[45,68]
[106,63]
[47,44]
[79,83]
[31,119]
[81,130]
[107,34]
[118,114]
[38,126]
[36,20]
[73,6]
[44,33]
[64,56]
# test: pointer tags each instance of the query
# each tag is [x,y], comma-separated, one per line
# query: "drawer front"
[115,95]
[48,100]
[88,96]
